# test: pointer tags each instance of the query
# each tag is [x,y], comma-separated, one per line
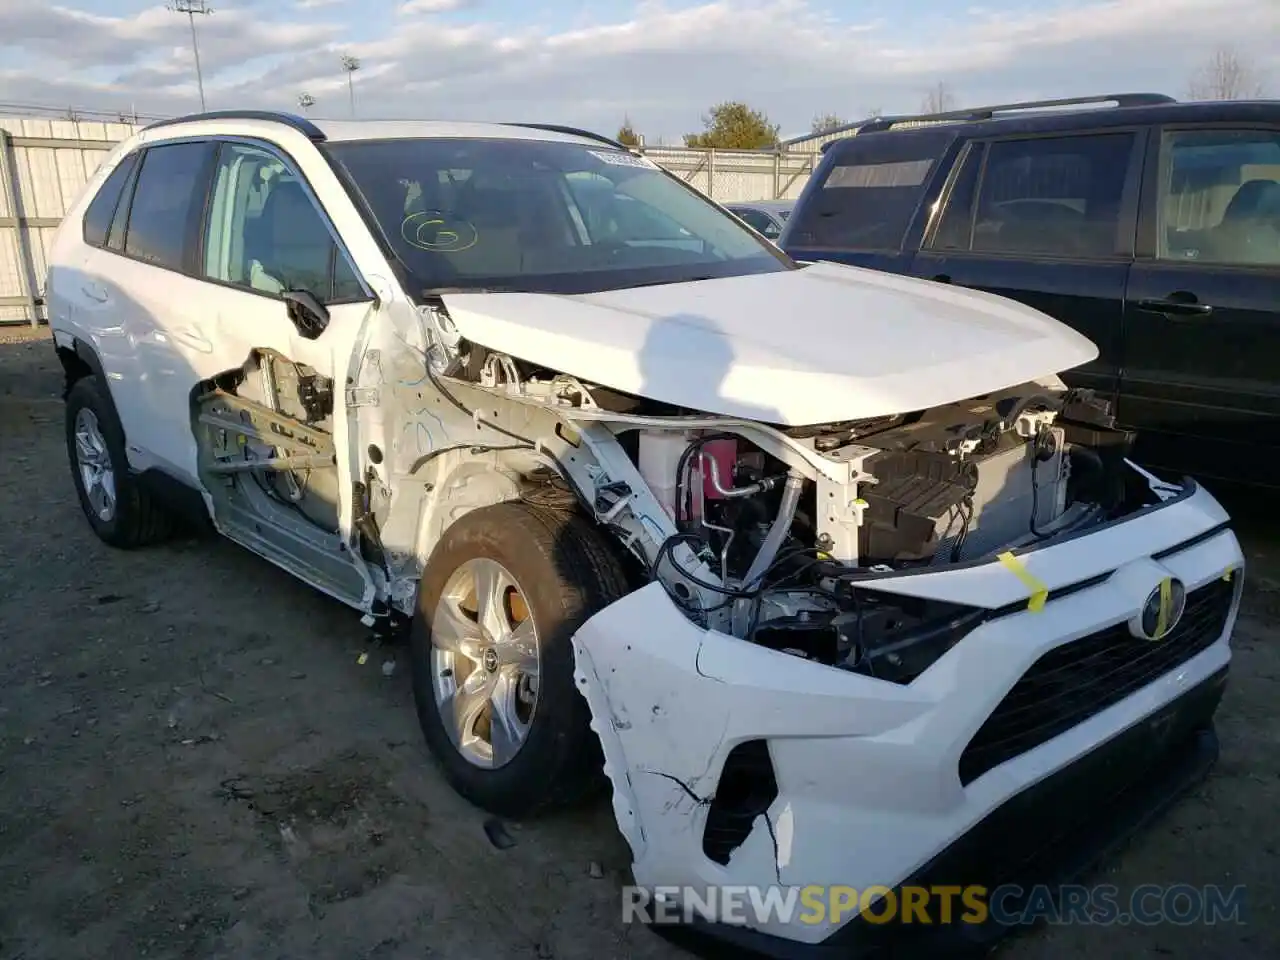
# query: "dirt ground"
[193,763]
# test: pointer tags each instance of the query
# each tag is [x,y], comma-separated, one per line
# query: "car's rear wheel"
[118,508]
[500,599]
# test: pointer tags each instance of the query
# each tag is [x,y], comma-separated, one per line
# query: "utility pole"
[351,65]
[191,8]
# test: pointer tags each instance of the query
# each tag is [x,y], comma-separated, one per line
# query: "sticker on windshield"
[619,159]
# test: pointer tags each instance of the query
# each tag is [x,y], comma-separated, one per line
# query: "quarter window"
[264,232]
[870,193]
[167,202]
[1220,197]
[758,221]
[101,210]
[1053,196]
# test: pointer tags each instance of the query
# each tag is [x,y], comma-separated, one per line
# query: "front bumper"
[868,790]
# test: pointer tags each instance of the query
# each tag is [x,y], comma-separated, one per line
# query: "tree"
[627,134]
[939,99]
[1226,75]
[827,121]
[734,126]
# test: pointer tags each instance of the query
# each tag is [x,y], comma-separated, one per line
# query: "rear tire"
[555,570]
[121,512]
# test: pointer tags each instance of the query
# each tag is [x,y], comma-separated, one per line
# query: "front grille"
[1077,680]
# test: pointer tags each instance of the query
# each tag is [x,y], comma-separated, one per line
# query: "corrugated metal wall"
[44,164]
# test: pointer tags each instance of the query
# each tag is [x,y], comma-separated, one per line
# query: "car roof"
[1226,111]
[345,131]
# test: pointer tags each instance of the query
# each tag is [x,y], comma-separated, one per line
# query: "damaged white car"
[825,567]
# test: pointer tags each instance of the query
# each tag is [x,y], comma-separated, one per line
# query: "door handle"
[1176,308]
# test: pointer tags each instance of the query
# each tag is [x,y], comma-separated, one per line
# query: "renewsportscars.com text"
[1010,905]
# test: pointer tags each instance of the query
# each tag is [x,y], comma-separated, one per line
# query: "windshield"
[543,217]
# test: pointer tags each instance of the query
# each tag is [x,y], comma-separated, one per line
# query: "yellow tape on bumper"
[1039,592]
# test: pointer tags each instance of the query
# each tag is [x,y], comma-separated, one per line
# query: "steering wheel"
[437,231]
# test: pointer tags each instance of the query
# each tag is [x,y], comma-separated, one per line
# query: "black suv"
[1151,226]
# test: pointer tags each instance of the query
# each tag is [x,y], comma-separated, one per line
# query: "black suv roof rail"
[301,124]
[571,131]
[874,124]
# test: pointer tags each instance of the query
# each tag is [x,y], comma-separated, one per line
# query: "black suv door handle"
[1176,307]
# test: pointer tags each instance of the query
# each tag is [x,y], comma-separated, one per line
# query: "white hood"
[821,344]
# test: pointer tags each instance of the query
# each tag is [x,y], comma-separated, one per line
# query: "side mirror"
[308,314]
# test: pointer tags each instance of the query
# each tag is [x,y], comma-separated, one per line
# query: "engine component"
[932,507]
[659,462]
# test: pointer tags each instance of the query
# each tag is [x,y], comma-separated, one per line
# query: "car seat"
[1250,228]
[287,246]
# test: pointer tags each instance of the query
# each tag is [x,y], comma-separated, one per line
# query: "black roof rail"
[571,131]
[301,124]
[972,114]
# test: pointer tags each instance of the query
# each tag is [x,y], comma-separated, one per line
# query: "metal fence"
[45,163]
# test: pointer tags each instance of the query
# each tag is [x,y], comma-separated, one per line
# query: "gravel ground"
[194,763]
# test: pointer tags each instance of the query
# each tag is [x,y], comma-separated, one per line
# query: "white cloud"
[433,6]
[315,4]
[661,66]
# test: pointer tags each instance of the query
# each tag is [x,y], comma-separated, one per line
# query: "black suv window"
[97,218]
[869,192]
[1220,197]
[758,221]
[167,202]
[1054,196]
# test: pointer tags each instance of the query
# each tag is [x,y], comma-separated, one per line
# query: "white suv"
[824,566]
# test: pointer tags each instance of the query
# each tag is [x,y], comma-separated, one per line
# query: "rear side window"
[168,202]
[870,193]
[1053,196]
[758,221]
[101,210]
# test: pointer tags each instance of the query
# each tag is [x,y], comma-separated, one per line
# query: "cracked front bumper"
[868,784]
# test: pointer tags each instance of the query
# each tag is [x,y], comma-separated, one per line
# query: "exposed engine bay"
[935,487]
[776,553]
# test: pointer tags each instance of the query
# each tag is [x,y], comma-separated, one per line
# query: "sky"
[661,63]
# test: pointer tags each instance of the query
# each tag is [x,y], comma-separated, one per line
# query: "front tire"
[118,508]
[492,655]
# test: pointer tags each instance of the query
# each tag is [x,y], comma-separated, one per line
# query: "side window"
[167,202]
[120,222]
[1054,196]
[264,233]
[101,210]
[1219,197]
[955,228]
[870,194]
[761,222]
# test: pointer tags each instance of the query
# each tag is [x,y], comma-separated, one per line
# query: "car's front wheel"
[500,599]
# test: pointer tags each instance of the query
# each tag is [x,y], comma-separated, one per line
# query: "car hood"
[824,343]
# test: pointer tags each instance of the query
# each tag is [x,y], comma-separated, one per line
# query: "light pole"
[191,8]
[351,65]
[306,101]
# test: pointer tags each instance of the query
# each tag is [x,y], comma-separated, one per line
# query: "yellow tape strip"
[1166,594]
[1039,592]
